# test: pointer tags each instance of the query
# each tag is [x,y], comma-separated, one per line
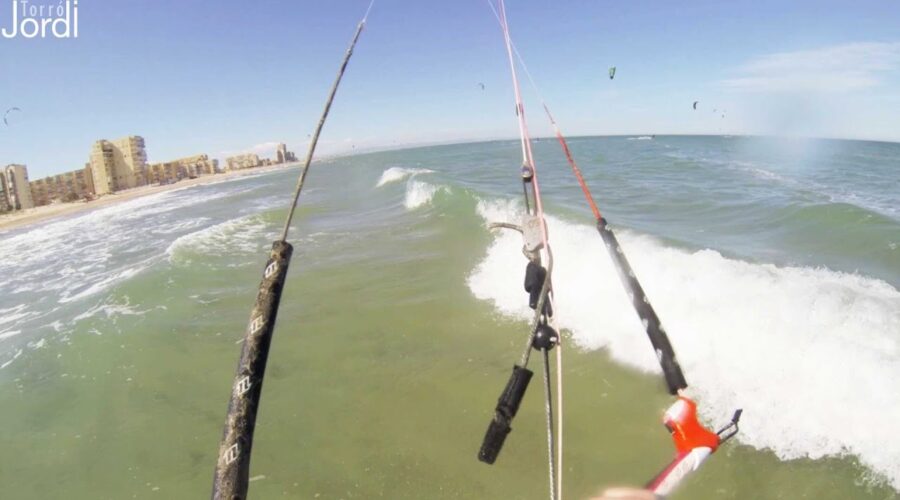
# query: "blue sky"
[226,76]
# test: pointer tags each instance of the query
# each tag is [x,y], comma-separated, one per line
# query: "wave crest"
[794,342]
[419,194]
[396,174]
[242,234]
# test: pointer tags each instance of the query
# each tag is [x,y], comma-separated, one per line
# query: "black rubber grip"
[493,439]
[664,352]
[507,407]
[233,466]
[535,275]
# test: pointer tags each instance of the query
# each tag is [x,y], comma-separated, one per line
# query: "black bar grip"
[664,352]
[496,434]
[509,401]
[233,466]
[507,407]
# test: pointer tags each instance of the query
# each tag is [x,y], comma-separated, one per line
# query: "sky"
[225,76]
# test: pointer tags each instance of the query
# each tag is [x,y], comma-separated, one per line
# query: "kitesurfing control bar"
[674,377]
[693,442]
[231,480]
[542,335]
[233,466]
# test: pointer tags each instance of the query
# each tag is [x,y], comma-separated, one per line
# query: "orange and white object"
[694,443]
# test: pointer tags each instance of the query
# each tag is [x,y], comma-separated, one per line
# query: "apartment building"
[240,162]
[175,170]
[282,155]
[69,186]
[118,165]
[89,179]
[4,200]
[17,191]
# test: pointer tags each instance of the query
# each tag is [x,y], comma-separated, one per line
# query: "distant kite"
[481,85]
[612,72]
[695,105]
[6,115]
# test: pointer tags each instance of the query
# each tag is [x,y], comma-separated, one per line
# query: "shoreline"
[27,217]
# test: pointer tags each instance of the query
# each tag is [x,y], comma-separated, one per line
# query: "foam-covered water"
[419,194]
[244,235]
[396,174]
[53,271]
[806,350]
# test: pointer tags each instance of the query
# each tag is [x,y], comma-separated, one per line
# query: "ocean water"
[774,264]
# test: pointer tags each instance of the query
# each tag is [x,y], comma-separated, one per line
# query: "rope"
[575,169]
[671,369]
[548,405]
[556,130]
[315,138]
[546,294]
[559,423]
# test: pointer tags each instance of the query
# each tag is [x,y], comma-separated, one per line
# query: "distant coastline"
[22,218]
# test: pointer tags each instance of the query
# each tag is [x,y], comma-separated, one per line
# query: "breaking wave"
[396,174]
[419,194]
[795,341]
[241,235]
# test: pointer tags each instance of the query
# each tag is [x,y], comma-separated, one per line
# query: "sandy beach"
[13,220]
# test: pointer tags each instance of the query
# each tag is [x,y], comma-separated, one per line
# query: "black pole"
[231,479]
[233,466]
[664,352]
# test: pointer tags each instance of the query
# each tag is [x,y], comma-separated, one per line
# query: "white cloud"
[839,68]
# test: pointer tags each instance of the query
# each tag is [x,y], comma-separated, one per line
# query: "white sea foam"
[243,234]
[395,174]
[9,333]
[756,170]
[419,193]
[180,226]
[14,314]
[111,309]
[108,281]
[74,258]
[804,351]
[641,138]
[10,360]
[60,263]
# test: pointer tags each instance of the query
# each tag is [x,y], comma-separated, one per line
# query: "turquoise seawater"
[774,264]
